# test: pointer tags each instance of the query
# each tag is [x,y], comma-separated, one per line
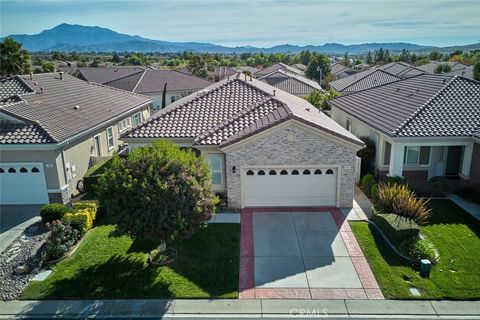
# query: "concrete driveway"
[304,255]
[14,219]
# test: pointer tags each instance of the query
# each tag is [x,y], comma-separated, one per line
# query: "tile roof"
[291,83]
[230,110]
[422,106]
[458,68]
[104,75]
[401,69]
[300,66]
[21,132]
[13,87]
[55,110]
[337,68]
[278,66]
[363,80]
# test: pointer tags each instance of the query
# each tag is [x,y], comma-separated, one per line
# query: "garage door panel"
[22,183]
[302,189]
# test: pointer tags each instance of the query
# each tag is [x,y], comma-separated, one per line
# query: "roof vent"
[398,89]
[31,75]
[41,90]
[274,92]
[308,109]
[77,107]
[61,75]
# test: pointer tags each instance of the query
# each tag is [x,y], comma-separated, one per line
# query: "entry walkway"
[471,208]
[302,253]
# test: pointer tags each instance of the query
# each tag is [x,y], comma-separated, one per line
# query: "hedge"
[85,209]
[395,227]
[90,179]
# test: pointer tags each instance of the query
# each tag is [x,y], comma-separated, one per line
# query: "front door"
[454,157]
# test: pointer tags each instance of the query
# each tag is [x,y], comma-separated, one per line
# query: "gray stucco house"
[53,127]
[265,147]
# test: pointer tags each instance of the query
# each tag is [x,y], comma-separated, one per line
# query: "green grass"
[108,266]
[454,233]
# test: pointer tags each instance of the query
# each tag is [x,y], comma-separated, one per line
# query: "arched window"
[261,173]
[35,170]
[283,172]
[306,171]
[12,170]
[2,171]
[318,171]
[249,173]
[23,170]
[295,172]
[272,173]
[329,171]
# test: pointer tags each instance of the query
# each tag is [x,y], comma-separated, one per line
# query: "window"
[249,173]
[349,125]
[329,171]
[23,170]
[215,161]
[306,171]
[35,170]
[2,171]
[318,171]
[387,149]
[12,170]
[173,98]
[124,125]
[110,140]
[261,173]
[272,173]
[136,119]
[417,155]
[295,172]
[283,172]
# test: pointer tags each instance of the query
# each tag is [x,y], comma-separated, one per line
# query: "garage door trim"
[244,169]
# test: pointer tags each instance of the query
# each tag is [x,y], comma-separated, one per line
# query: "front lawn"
[454,233]
[108,266]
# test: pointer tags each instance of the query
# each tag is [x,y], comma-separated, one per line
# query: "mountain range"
[67,37]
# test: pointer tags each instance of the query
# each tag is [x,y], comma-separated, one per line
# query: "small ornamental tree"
[158,193]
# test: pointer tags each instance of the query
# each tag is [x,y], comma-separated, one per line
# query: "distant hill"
[68,38]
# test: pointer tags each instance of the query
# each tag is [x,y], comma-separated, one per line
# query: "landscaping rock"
[20,261]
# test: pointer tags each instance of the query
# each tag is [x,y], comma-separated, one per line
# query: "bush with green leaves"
[400,200]
[374,192]
[319,99]
[77,222]
[396,228]
[367,182]
[419,248]
[396,180]
[367,155]
[52,212]
[158,193]
[61,239]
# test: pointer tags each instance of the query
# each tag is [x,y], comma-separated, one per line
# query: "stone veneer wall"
[475,167]
[291,146]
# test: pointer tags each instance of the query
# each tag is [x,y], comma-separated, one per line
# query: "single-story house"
[146,81]
[374,77]
[53,127]
[424,126]
[246,69]
[339,71]
[278,66]
[291,83]
[216,73]
[458,68]
[265,147]
[299,66]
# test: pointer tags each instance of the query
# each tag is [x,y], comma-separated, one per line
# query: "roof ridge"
[424,106]
[30,121]
[139,80]
[233,118]
[373,71]
[128,75]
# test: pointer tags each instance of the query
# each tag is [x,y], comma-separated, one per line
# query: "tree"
[369,59]
[305,57]
[319,99]
[435,55]
[346,60]
[13,59]
[116,58]
[158,193]
[443,68]
[476,71]
[164,96]
[319,61]
[48,66]
[197,66]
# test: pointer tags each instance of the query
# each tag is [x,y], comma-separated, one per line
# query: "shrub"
[367,181]
[61,239]
[439,184]
[52,212]
[90,179]
[395,227]
[400,200]
[374,192]
[158,193]
[367,155]
[77,222]
[418,249]
[86,211]
[396,180]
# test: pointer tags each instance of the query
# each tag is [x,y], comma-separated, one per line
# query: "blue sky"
[258,22]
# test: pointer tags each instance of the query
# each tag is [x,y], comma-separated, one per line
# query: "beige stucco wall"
[291,145]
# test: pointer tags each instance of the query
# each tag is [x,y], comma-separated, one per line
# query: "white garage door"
[285,187]
[22,183]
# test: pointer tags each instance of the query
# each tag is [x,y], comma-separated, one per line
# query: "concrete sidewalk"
[252,309]
[472,208]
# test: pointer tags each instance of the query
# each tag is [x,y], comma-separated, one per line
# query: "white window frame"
[417,162]
[208,158]
[111,146]
[139,114]
[348,126]
[385,153]
[124,125]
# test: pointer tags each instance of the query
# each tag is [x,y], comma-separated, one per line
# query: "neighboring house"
[147,81]
[278,66]
[339,71]
[401,69]
[300,66]
[216,73]
[291,83]
[363,80]
[53,127]
[424,126]
[265,147]
[247,70]
[458,68]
